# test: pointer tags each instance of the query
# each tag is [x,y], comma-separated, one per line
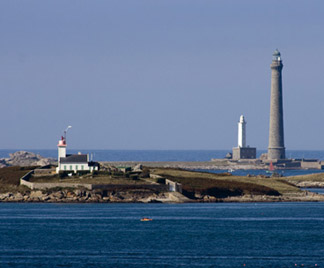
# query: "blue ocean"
[161,155]
[180,235]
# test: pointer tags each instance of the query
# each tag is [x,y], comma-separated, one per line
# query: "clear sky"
[164,74]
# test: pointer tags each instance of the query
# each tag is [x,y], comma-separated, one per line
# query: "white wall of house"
[74,167]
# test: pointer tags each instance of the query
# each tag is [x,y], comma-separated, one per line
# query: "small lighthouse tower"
[61,148]
[242,151]
[242,132]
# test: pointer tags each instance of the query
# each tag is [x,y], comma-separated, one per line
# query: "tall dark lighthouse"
[276,149]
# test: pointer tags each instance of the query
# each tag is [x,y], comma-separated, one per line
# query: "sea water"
[160,155]
[180,235]
[264,172]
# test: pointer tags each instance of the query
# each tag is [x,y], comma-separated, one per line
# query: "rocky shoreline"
[308,184]
[85,196]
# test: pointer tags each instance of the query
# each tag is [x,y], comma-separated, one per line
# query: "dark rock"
[229,155]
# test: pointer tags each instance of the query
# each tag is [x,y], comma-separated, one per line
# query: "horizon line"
[26,149]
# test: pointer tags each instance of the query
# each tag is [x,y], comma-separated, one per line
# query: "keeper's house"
[73,162]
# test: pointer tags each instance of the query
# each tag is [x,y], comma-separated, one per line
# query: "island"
[148,183]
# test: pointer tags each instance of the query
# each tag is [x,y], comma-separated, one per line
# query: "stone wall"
[244,153]
[44,171]
[311,164]
[157,187]
[173,186]
[48,185]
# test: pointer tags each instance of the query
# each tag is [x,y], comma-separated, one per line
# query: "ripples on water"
[188,235]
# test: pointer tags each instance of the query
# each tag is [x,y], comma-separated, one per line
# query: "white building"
[242,151]
[73,162]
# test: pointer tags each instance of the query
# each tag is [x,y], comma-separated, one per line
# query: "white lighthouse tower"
[243,151]
[62,145]
[242,132]
[61,148]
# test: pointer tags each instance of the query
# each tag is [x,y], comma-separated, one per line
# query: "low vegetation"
[89,178]
[10,178]
[319,177]
[220,188]
[194,184]
[223,185]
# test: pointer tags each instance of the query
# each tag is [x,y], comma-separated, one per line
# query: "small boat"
[271,168]
[146,219]
[230,170]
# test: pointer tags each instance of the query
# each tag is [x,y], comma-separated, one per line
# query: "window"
[82,167]
[70,167]
[64,167]
[76,167]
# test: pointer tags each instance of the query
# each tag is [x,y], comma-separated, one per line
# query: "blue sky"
[171,74]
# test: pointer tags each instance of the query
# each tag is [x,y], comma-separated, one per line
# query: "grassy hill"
[319,177]
[222,185]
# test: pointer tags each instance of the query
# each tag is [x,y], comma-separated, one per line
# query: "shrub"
[160,180]
[82,172]
[63,174]
[145,173]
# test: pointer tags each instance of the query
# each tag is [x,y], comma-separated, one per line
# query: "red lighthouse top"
[62,142]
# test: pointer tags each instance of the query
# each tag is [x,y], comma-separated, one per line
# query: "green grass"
[311,177]
[221,185]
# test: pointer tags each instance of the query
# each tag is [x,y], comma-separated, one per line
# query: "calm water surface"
[256,172]
[315,190]
[180,235]
[159,155]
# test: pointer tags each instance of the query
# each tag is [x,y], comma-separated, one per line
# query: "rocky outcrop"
[86,196]
[146,196]
[302,196]
[3,163]
[23,158]
[308,184]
